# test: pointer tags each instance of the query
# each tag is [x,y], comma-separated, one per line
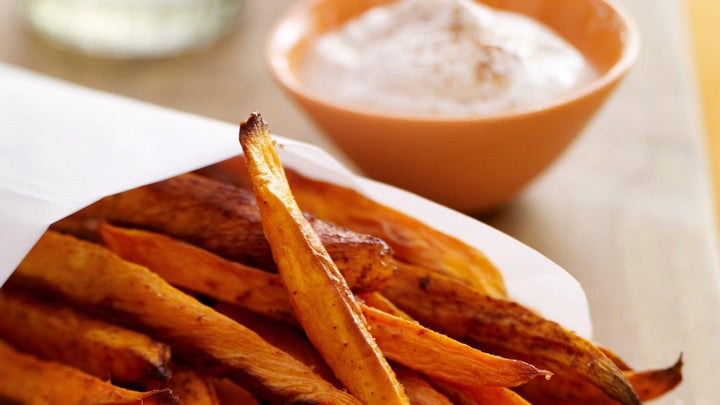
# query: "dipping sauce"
[443,57]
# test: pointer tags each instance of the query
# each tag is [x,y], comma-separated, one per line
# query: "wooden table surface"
[627,210]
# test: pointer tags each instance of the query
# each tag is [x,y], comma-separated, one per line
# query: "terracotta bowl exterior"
[472,164]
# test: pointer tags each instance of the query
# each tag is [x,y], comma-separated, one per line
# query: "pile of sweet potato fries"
[255,284]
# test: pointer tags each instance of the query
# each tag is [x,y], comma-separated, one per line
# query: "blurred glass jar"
[132,28]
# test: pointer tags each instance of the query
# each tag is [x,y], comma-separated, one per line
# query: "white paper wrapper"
[63,147]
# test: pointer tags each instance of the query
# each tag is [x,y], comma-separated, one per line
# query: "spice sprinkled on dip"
[443,57]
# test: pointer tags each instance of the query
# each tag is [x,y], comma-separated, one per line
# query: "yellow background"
[705,25]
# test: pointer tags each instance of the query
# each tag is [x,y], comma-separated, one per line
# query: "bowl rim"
[276,58]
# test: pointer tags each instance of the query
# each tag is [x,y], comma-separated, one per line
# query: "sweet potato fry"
[442,346]
[403,341]
[290,339]
[196,269]
[568,389]
[462,312]
[411,240]
[320,297]
[51,330]
[225,220]
[443,358]
[29,380]
[92,276]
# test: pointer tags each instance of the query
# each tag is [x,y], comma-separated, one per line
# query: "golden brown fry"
[92,276]
[442,358]
[411,240]
[459,311]
[225,220]
[418,389]
[320,297]
[568,389]
[285,337]
[403,341]
[189,386]
[51,330]
[29,380]
[442,347]
[193,268]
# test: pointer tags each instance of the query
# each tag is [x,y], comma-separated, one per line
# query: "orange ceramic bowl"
[472,164]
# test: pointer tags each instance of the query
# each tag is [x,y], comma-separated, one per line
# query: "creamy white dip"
[444,57]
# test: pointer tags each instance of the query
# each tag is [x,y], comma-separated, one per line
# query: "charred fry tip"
[679,363]
[255,124]
[610,379]
[623,392]
[675,371]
